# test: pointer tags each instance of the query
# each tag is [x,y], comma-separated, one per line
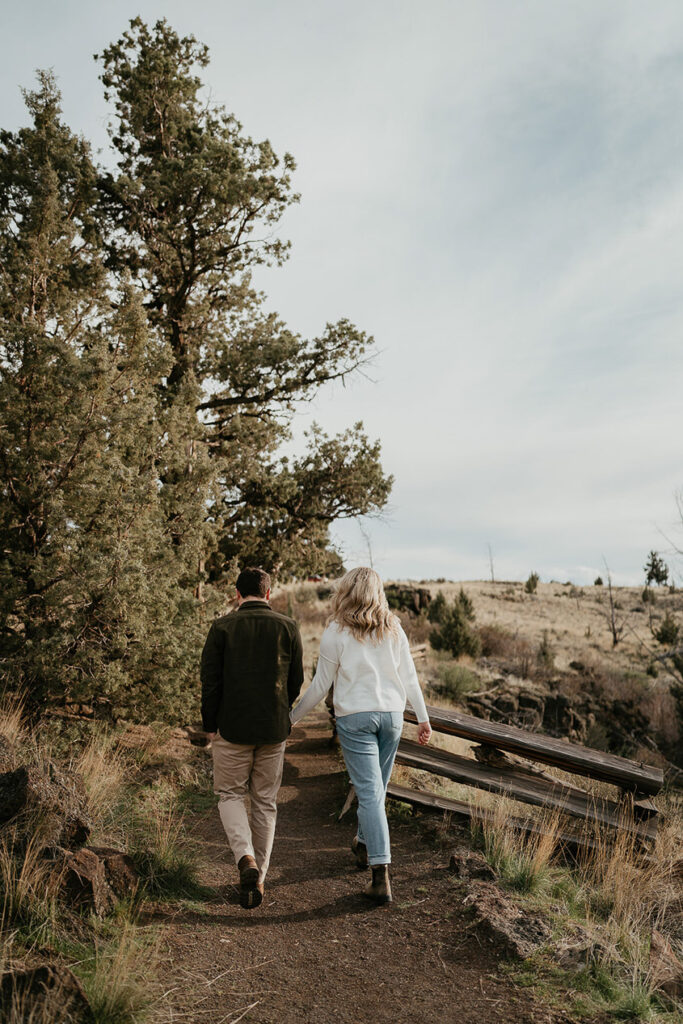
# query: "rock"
[466,864]
[666,968]
[48,993]
[119,870]
[84,881]
[53,796]
[409,599]
[519,932]
[506,703]
[531,702]
[577,948]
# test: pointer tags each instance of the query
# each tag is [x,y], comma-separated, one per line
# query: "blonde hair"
[359,604]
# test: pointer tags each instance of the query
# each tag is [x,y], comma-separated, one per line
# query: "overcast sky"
[494,190]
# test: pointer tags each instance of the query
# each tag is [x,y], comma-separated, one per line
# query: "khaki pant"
[240,769]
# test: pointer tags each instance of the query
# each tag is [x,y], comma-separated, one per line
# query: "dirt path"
[316,952]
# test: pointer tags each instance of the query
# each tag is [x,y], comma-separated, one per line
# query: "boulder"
[84,881]
[518,932]
[48,993]
[407,599]
[48,797]
[506,703]
[119,870]
[467,863]
[577,948]
[531,702]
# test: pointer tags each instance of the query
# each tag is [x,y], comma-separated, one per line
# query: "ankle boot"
[379,889]
[251,893]
[360,852]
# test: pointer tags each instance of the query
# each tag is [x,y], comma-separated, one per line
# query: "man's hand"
[212,736]
[424,733]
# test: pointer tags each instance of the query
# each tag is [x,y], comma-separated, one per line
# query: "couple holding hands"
[252,673]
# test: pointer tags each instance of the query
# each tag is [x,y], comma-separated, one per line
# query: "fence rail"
[494,770]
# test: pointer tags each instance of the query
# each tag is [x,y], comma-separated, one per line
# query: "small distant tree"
[545,655]
[669,631]
[598,581]
[615,622]
[437,608]
[656,570]
[532,583]
[454,632]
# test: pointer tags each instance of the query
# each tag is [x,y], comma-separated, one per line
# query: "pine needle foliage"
[145,389]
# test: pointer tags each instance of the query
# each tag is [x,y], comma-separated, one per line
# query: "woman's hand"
[424,733]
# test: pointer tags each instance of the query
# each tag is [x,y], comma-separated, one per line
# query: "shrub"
[598,581]
[454,633]
[647,596]
[668,631]
[495,640]
[454,681]
[545,655]
[532,583]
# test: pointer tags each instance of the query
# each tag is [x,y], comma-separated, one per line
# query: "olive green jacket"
[251,672]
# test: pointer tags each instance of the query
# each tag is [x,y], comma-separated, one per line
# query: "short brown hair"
[253,582]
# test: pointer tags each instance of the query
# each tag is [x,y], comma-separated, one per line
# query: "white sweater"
[366,676]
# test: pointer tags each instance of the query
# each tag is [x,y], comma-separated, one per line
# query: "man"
[251,672]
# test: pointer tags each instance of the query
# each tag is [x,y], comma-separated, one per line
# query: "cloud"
[493,189]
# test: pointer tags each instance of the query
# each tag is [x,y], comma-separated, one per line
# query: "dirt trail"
[316,951]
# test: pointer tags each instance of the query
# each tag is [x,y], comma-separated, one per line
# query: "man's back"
[251,674]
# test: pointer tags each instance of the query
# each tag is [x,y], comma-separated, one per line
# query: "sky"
[494,190]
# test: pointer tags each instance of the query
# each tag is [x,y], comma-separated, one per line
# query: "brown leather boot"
[251,892]
[360,852]
[379,889]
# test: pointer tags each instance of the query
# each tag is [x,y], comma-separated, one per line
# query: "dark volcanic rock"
[84,881]
[518,932]
[55,796]
[467,863]
[48,993]
[408,599]
[119,870]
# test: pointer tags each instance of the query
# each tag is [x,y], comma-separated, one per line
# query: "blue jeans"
[369,740]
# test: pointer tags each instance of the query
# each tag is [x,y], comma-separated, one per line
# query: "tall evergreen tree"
[191,210]
[91,606]
[145,390]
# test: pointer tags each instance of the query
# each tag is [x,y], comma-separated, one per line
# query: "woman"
[365,656]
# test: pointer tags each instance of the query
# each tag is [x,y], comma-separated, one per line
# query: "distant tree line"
[146,389]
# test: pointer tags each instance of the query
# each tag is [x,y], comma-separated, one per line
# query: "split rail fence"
[504,763]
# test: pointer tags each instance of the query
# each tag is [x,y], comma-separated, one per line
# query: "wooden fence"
[502,765]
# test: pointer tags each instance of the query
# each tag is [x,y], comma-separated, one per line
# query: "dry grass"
[105,771]
[28,890]
[521,862]
[12,718]
[119,979]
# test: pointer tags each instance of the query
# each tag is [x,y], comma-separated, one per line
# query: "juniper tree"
[92,607]
[191,209]
[656,570]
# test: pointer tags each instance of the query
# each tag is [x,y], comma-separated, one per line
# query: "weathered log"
[519,785]
[571,757]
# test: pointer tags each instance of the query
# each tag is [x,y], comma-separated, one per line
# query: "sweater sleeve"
[211,674]
[296,668]
[408,676]
[324,678]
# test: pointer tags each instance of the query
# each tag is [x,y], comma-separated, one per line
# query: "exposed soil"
[316,951]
